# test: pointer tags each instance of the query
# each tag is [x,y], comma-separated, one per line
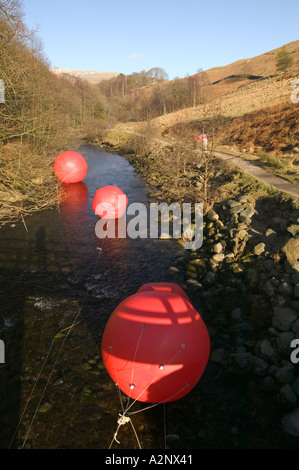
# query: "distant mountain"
[90,76]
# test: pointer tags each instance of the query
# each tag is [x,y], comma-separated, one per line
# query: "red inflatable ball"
[164,287]
[70,167]
[109,202]
[155,346]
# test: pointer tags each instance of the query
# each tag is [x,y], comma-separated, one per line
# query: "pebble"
[45,407]
[236,314]
[243,360]
[283,318]
[287,396]
[267,350]
[285,374]
[218,257]
[290,423]
[260,367]
[283,342]
[220,356]
[295,386]
[173,270]
[171,438]
[246,214]
[259,248]
[293,229]
[218,248]
[212,215]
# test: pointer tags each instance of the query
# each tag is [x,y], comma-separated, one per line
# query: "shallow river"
[55,391]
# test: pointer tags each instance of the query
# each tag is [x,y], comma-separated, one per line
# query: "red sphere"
[164,287]
[70,167]
[155,346]
[109,202]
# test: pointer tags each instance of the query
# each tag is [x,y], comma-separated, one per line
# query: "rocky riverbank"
[245,278]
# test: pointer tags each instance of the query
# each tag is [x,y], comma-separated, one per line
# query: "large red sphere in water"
[109,202]
[155,346]
[164,287]
[70,167]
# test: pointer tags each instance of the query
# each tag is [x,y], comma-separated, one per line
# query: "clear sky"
[179,36]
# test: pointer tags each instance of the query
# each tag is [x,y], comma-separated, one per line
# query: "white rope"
[133,369]
[121,421]
[125,416]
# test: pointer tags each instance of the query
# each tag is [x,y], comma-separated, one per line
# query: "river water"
[55,392]
[58,394]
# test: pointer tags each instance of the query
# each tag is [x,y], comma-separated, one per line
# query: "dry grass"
[27,183]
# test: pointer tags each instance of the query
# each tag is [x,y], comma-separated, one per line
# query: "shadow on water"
[55,391]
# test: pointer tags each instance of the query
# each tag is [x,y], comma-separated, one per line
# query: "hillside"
[256,118]
[230,77]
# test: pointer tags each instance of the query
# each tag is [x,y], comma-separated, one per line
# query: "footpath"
[247,166]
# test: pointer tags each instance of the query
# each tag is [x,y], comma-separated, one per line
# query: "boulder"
[290,423]
[283,318]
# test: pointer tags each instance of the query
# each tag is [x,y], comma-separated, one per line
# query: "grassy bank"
[176,173]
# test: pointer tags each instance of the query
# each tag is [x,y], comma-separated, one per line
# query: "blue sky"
[179,36]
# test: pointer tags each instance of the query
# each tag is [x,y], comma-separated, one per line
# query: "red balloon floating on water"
[70,167]
[155,346]
[109,202]
[164,287]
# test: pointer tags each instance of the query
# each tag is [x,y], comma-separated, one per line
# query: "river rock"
[243,198]
[295,327]
[194,284]
[165,236]
[212,215]
[285,288]
[246,214]
[218,257]
[243,360]
[291,251]
[287,396]
[269,384]
[210,278]
[285,374]
[295,386]
[283,318]
[45,407]
[220,356]
[267,350]
[218,248]
[173,270]
[259,249]
[269,232]
[293,229]
[232,203]
[237,209]
[236,314]
[260,367]
[296,291]
[283,341]
[171,438]
[290,423]
[242,234]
